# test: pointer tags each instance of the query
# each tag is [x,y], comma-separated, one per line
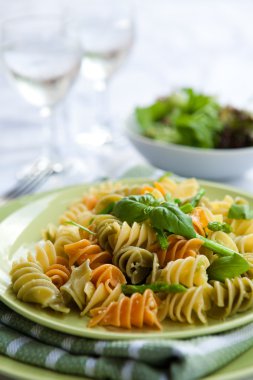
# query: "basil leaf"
[80,226]
[108,209]
[168,197]
[156,287]
[227,267]
[240,212]
[218,226]
[196,199]
[169,217]
[135,208]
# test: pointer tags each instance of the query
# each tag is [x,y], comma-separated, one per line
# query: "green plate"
[21,229]
[17,218]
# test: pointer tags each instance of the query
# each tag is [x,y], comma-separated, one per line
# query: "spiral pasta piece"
[73,213]
[244,243]
[84,249]
[136,311]
[79,288]
[155,272]
[90,201]
[30,284]
[249,257]
[233,296]
[188,307]
[45,254]
[242,227]
[135,262]
[108,187]
[105,227]
[223,239]
[109,275]
[179,248]
[201,216]
[65,235]
[189,272]
[58,272]
[139,234]
[106,200]
[221,206]
[106,280]
[50,232]
[157,190]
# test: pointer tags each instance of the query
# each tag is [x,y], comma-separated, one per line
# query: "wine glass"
[42,58]
[106,30]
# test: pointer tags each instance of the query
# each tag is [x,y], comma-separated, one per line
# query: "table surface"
[207,45]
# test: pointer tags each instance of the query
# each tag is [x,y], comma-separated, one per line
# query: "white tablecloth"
[206,44]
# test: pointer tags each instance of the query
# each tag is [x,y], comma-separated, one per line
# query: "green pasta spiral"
[135,262]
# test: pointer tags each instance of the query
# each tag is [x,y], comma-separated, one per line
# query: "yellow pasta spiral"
[189,272]
[188,307]
[244,243]
[242,227]
[139,235]
[73,213]
[65,235]
[233,296]
[223,239]
[30,284]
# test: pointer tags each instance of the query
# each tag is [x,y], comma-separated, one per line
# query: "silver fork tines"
[35,176]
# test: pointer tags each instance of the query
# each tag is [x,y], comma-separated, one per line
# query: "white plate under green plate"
[22,228]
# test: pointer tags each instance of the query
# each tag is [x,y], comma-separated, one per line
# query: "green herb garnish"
[162,239]
[186,208]
[196,199]
[165,217]
[227,267]
[240,212]
[218,226]
[80,226]
[156,287]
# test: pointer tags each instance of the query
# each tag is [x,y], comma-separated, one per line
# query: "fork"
[37,174]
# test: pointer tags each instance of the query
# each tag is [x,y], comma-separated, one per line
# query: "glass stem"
[101,103]
[52,147]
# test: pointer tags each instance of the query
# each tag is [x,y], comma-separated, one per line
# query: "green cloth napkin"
[33,344]
[40,346]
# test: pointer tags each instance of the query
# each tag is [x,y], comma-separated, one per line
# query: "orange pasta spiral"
[135,311]
[200,220]
[109,275]
[58,272]
[179,248]
[90,201]
[157,190]
[84,249]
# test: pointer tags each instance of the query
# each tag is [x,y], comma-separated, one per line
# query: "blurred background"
[207,45]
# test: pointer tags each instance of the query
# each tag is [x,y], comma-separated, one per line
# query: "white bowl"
[186,161]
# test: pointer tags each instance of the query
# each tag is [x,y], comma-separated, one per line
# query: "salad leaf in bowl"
[192,134]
